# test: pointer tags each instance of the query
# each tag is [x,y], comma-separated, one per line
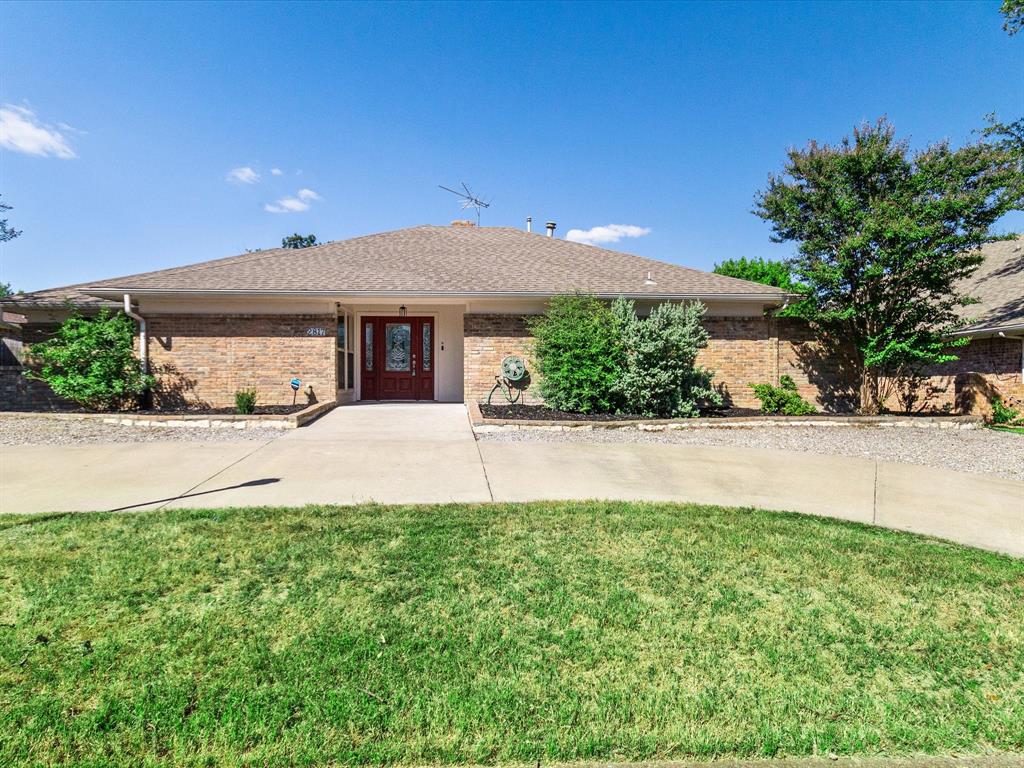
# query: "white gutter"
[143,346]
[997,329]
[760,297]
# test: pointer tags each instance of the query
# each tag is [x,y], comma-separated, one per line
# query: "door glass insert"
[368,347]
[426,346]
[398,346]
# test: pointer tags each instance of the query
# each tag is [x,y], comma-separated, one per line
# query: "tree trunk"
[869,400]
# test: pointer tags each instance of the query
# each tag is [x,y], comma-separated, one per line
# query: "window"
[346,351]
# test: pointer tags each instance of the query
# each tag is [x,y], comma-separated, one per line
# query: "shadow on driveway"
[249,484]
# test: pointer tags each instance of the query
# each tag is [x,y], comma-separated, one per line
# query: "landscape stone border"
[190,420]
[483,424]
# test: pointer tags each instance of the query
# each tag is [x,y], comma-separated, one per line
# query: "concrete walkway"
[406,453]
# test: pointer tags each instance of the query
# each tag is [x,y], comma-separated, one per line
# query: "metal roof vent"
[650,280]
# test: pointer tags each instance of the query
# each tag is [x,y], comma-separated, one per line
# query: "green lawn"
[1008,428]
[497,634]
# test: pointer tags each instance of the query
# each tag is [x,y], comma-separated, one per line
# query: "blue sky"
[666,118]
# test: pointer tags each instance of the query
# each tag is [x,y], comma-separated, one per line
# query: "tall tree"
[6,233]
[298,241]
[1013,11]
[884,237]
[764,271]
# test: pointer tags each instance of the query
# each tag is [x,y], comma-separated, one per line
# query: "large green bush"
[578,353]
[660,378]
[92,362]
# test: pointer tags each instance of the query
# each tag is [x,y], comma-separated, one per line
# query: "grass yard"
[1019,430]
[497,634]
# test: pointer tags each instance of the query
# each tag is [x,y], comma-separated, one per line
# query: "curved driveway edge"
[409,453]
[978,510]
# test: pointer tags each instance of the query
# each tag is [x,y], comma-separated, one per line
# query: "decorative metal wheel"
[513,368]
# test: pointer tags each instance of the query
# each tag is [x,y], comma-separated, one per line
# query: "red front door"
[398,358]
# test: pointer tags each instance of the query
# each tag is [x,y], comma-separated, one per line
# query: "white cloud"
[243,175]
[21,131]
[293,204]
[610,233]
[276,172]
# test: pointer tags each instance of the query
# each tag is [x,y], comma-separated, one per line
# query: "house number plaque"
[316,331]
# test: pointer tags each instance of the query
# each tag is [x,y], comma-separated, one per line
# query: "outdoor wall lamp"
[401,311]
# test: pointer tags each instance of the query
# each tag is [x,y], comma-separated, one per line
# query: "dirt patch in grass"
[497,634]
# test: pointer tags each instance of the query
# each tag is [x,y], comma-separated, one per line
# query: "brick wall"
[18,392]
[742,351]
[486,340]
[205,359]
[985,368]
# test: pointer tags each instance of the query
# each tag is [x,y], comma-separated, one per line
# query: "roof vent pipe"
[529,223]
[143,346]
[551,228]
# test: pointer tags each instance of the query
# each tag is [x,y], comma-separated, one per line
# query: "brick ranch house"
[425,313]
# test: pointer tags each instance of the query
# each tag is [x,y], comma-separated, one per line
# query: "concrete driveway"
[388,453]
[418,453]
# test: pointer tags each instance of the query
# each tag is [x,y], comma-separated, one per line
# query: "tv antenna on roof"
[468,199]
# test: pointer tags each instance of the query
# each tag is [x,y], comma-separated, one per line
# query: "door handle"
[413,363]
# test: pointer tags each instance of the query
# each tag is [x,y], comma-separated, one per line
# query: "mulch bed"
[520,412]
[261,410]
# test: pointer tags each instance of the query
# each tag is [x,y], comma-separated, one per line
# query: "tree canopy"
[764,271]
[885,235]
[1013,12]
[6,232]
[298,241]
[92,361]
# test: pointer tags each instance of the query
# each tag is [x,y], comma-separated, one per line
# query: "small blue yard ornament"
[296,383]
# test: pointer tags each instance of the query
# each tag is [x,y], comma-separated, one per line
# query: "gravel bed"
[43,431]
[965,450]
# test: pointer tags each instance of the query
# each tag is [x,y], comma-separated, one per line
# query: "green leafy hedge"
[578,352]
[660,377]
[596,358]
[92,362]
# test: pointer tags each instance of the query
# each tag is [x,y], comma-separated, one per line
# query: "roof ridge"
[250,256]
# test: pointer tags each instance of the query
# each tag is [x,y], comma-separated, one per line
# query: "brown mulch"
[520,412]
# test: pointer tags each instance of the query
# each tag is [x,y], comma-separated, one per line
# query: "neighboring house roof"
[55,298]
[435,261]
[999,286]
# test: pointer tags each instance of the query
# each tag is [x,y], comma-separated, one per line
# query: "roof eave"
[114,292]
[991,330]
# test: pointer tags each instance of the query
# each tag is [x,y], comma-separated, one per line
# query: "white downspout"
[143,346]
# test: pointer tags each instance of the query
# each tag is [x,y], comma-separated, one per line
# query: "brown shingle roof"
[52,298]
[999,286]
[435,260]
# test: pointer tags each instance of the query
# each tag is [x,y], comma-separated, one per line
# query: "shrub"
[92,362]
[578,353]
[245,401]
[1003,414]
[660,377]
[782,399]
